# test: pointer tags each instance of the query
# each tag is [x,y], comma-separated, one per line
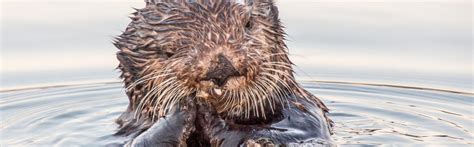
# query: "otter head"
[231,53]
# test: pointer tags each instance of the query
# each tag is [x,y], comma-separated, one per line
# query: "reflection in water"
[365,114]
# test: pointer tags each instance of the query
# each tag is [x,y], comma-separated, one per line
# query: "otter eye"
[248,25]
[169,54]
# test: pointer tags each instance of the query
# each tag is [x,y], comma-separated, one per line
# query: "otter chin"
[213,73]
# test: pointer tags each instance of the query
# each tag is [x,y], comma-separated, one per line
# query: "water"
[83,114]
[392,72]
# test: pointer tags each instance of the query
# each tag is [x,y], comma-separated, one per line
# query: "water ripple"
[364,114]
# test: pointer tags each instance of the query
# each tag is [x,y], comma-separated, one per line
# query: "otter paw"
[260,142]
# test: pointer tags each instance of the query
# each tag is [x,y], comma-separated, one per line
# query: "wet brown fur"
[170,45]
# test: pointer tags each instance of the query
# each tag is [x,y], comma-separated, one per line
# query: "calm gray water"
[392,72]
[84,115]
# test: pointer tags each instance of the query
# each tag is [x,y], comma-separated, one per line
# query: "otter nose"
[221,71]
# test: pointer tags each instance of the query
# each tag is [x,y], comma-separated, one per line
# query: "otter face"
[227,52]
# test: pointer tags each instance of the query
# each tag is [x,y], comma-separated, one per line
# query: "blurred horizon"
[422,38]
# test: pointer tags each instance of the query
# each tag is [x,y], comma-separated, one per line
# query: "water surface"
[364,114]
[392,72]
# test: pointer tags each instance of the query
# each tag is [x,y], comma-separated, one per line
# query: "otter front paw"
[171,130]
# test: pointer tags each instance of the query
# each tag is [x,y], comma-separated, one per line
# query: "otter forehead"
[197,23]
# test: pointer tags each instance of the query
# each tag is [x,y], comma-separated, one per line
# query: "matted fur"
[170,45]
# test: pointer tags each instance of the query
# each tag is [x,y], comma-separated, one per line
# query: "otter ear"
[264,8]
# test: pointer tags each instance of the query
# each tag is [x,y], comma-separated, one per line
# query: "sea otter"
[213,73]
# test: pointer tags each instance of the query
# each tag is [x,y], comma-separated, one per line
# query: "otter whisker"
[162,85]
[276,89]
[248,103]
[278,79]
[161,98]
[279,91]
[286,76]
[229,99]
[255,103]
[146,97]
[144,79]
[158,102]
[280,72]
[275,98]
[225,102]
[261,95]
[267,55]
[265,95]
[153,92]
[287,67]
[281,64]
[174,99]
[249,98]
[240,97]
[170,102]
[243,101]
[232,98]
[151,81]
[289,80]
[261,89]
[237,101]
[143,99]
[233,95]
